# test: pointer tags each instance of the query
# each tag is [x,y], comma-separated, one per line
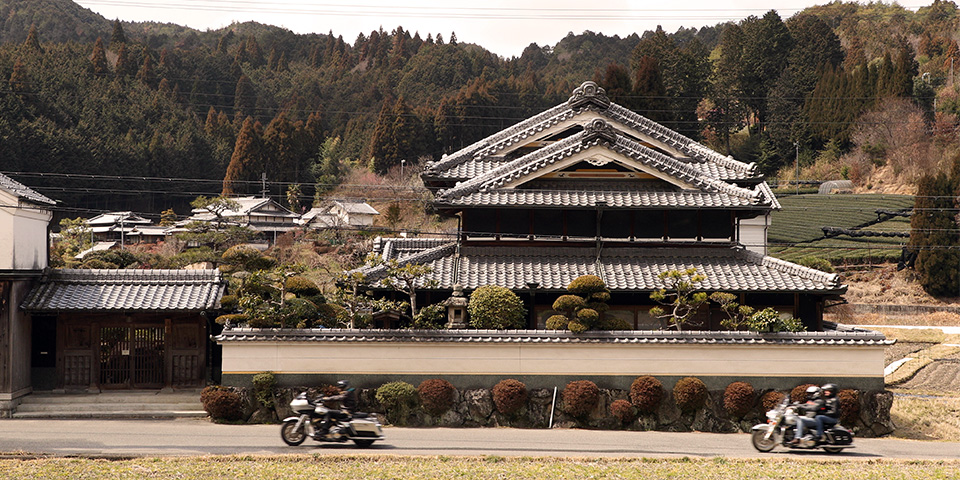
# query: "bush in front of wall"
[222,403]
[623,410]
[799,393]
[771,399]
[509,396]
[580,398]
[263,385]
[849,406]
[398,399]
[738,399]
[496,308]
[646,392]
[436,395]
[690,393]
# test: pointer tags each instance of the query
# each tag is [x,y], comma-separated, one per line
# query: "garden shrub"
[222,403]
[738,399]
[817,263]
[233,318]
[509,396]
[436,395]
[690,393]
[431,317]
[332,316]
[298,313]
[398,399]
[557,322]
[301,286]
[495,307]
[580,397]
[646,392]
[623,410]
[616,323]
[771,399]
[799,393]
[228,302]
[263,385]
[849,406]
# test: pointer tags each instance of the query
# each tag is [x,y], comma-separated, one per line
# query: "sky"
[504,27]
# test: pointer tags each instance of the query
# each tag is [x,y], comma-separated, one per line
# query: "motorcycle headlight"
[772,415]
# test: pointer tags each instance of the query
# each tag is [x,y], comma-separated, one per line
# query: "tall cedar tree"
[98,59]
[117,37]
[246,164]
[280,140]
[767,45]
[125,67]
[382,149]
[934,234]
[649,94]
[727,114]
[615,80]
[32,42]
[244,99]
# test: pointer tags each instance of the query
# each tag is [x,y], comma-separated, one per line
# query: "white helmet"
[813,392]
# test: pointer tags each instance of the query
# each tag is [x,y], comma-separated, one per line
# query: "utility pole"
[263,183]
[797,146]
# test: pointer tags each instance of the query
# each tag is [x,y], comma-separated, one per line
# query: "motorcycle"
[362,428]
[781,428]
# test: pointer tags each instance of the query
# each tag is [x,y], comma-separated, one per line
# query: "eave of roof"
[24,192]
[550,337]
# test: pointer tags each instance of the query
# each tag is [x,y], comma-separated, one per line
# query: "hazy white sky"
[502,26]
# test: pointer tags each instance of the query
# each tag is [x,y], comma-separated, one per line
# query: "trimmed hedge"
[580,397]
[771,399]
[799,393]
[849,405]
[222,403]
[510,396]
[646,392]
[398,399]
[738,399]
[690,393]
[436,395]
[623,410]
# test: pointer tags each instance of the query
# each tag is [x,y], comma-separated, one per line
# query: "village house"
[347,214]
[260,214]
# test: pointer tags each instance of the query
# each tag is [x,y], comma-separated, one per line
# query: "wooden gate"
[132,357]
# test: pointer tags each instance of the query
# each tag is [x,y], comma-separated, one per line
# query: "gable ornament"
[589,93]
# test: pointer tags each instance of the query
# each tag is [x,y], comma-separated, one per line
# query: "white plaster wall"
[248,357]
[23,235]
[753,233]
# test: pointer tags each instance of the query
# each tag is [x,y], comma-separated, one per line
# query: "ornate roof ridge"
[677,140]
[131,276]
[831,279]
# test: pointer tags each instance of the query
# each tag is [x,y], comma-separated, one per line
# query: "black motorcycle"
[362,428]
[781,428]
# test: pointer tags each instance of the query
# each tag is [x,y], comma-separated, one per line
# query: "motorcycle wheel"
[761,443]
[363,443]
[832,449]
[290,435]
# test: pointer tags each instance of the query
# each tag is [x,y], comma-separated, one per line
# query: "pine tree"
[117,37]
[933,235]
[246,163]
[98,59]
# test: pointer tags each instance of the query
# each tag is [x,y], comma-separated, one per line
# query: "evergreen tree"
[649,94]
[615,80]
[124,66]
[117,37]
[19,82]
[147,75]
[767,45]
[382,143]
[98,59]
[32,42]
[246,163]
[280,140]
[933,235]
[244,98]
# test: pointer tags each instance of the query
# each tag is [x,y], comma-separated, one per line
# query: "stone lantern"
[456,309]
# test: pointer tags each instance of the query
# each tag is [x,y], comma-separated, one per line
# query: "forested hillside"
[860,91]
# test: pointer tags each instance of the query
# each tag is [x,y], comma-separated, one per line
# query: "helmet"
[813,392]
[829,390]
[343,384]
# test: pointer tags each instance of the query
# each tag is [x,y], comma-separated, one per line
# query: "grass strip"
[409,467]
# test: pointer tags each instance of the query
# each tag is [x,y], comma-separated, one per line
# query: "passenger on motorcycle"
[814,404]
[348,404]
[830,412]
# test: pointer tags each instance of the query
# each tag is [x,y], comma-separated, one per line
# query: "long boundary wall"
[543,359]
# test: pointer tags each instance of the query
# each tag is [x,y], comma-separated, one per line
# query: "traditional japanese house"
[590,187]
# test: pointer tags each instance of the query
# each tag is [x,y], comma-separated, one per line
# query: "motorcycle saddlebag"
[841,436]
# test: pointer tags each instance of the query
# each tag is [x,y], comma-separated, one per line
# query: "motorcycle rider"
[813,404]
[830,411]
[348,404]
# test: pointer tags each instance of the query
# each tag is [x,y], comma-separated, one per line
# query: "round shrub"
[398,399]
[623,410]
[580,397]
[228,302]
[332,316]
[221,403]
[588,316]
[301,286]
[263,385]
[799,393]
[771,399]
[586,285]
[576,326]
[646,392]
[690,393]
[436,395]
[510,396]
[298,313]
[241,256]
[849,405]
[616,323]
[495,307]
[738,398]
[568,303]
[557,322]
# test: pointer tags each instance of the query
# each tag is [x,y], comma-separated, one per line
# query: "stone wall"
[475,408]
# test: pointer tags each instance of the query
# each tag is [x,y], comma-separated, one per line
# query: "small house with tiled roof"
[589,187]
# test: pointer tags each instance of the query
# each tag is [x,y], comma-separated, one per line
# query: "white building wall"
[752,233]
[23,235]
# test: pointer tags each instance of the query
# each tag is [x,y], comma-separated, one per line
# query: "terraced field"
[796,229]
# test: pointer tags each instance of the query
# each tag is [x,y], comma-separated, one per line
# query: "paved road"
[199,437]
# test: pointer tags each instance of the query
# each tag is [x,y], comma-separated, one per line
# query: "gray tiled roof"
[22,191]
[151,290]
[622,268]
[488,188]
[628,337]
